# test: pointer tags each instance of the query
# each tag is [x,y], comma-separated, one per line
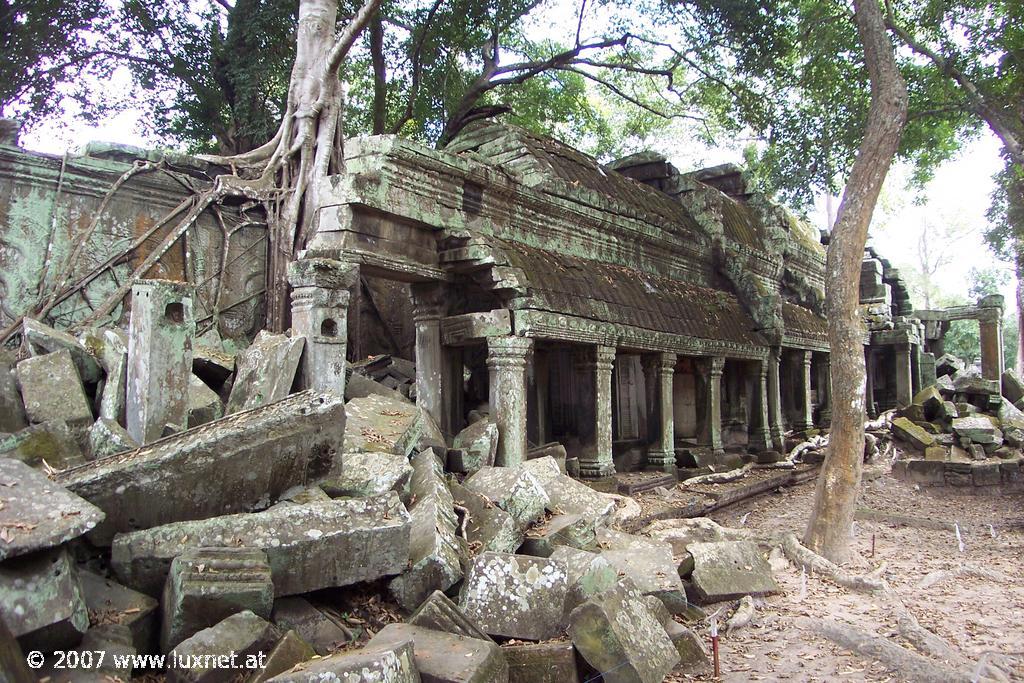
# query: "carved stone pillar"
[904,375]
[991,332]
[428,307]
[661,453]
[805,415]
[711,430]
[506,361]
[596,457]
[825,390]
[775,399]
[869,385]
[759,433]
[320,299]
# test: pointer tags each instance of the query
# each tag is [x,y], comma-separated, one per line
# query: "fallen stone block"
[37,514]
[1012,386]
[979,430]
[207,585]
[948,364]
[234,464]
[43,340]
[107,437]
[314,626]
[567,495]
[201,658]
[650,564]
[680,533]
[319,545]
[104,656]
[13,667]
[515,490]
[1010,416]
[589,575]
[904,429]
[439,613]
[360,386]
[41,600]
[435,561]
[391,664]
[618,635]
[930,400]
[203,403]
[488,527]
[693,656]
[971,384]
[944,384]
[212,365]
[12,410]
[303,495]
[477,446]
[380,425]
[446,658]
[574,531]
[109,602]
[553,450]
[553,662]
[729,570]
[52,390]
[265,371]
[516,596]
[111,348]
[430,436]
[370,474]
[289,652]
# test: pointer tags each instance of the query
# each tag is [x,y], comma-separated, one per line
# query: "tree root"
[868,515]
[742,616]
[719,477]
[938,577]
[800,555]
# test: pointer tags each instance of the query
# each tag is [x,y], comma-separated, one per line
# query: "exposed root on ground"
[935,578]
[742,616]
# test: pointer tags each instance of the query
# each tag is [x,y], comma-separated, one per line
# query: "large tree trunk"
[1015,217]
[831,523]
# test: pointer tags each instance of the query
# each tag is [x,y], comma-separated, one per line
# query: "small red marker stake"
[714,646]
[872,545]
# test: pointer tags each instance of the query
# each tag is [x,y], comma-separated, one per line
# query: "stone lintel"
[458,330]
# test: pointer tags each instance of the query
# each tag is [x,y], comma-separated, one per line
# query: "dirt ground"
[977,615]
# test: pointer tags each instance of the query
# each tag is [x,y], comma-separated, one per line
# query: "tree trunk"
[380,75]
[831,522]
[1015,217]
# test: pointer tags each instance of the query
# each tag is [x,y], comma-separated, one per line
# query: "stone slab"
[295,613]
[370,474]
[911,433]
[265,371]
[575,531]
[553,662]
[12,410]
[289,652]
[41,600]
[392,664]
[729,570]
[109,602]
[514,489]
[589,576]
[203,403]
[309,547]
[439,613]
[979,429]
[42,340]
[52,390]
[567,495]
[234,464]
[377,424]
[36,514]
[516,596]
[488,527]
[446,658]
[241,634]
[477,447]
[107,437]
[110,346]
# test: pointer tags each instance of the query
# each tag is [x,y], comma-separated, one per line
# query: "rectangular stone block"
[904,429]
[516,596]
[553,662]
[568,495]
[309,547]
[728,570]
[381,425]
[488,527]
[514,489]
[575,531]
[986,473]
[42,340]
[370,474]
[107,437]
[589,575]
[926,472]
[474,447]
[391,664]
[109,602]
[41,600]
[52,390]
[110,347]
[12,410]
[265,371]
[241,635]
[439,613]
[234,464]
[51,442]
[446,658]
[315,627]
[289,652]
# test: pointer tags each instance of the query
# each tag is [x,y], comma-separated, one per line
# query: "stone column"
[775,399]
[915,369]
[759,433]
[711,430]
[506,361]
[869,385]
[825,390]
[427,310]
[805,411]
[320,299]
[661,453]
[991,333]
[596,458]
[904,375]
[159,358]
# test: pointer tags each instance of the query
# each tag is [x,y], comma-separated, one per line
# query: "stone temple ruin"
[487,343]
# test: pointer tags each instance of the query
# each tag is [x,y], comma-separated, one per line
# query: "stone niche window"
[329,328]
[174,312]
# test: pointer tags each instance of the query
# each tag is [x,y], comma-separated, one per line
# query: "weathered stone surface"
[391,664]
[1010,416]
[265,371]
[477,445]
[370,474]
[229,465]
[297,614]
[435,561]
[935,453]
[1012,387]
[381,425]
[680,533]
[975,385]
[553,662]
[241,634]
[729,570]
[113,641]
[649,563]
[203,403]
[914,435]
[206,585]
[944,383]
[488,527]
[212,365]
[290,651]
[930,401]
[109,602]
[566,495]
[107,437]
[986,473]
[553,450]
[430,435]
[439,613]
[618,635]
[36,514]
[516,596]
[589,575]
[111,348]
[43,339]
[12,411]
[303,495]
[52,390]
[574,531]
[979,430]
[41,600]
[360,386]
[330,543]
[514,489]
[692,654]
[446,658]
[948,364]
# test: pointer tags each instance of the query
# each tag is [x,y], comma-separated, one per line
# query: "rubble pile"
[963,431]
[227,532]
